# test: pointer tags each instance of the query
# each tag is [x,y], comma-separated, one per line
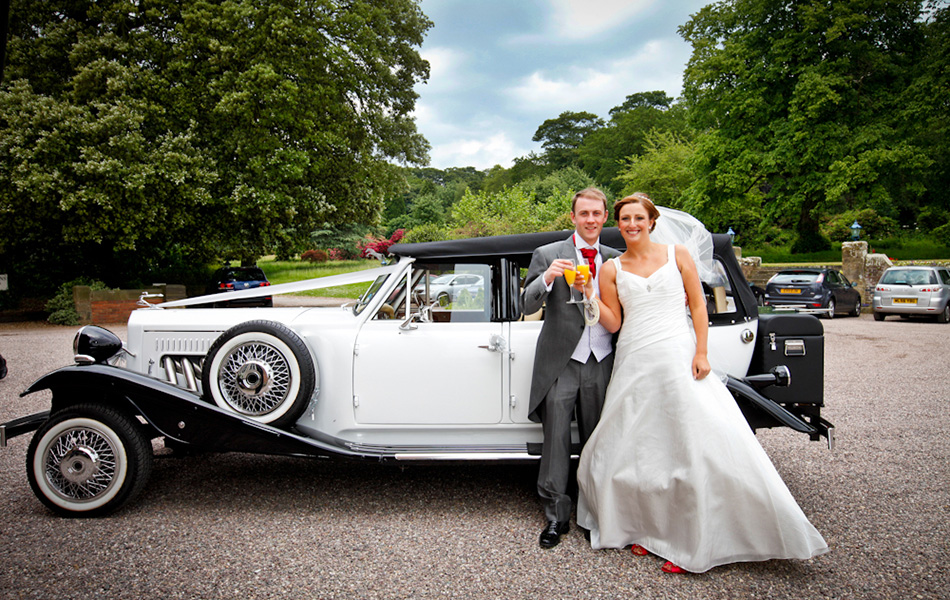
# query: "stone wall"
[115,306]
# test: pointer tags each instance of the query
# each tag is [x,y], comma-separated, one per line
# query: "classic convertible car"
[398,375]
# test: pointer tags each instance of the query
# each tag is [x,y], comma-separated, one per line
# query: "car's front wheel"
[88,461]
[262,370]
[856,311]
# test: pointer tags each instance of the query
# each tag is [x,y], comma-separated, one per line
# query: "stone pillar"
[853,258]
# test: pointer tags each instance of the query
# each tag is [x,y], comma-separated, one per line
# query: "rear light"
[882,288]
[265,284]
[225,286]
[816,304]
[929,289]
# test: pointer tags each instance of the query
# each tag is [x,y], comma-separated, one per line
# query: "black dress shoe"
[551,535]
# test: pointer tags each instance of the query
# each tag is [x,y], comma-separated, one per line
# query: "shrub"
[62,307]
[314,256]
[381,246]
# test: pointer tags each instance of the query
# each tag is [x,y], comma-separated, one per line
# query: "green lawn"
[294,270]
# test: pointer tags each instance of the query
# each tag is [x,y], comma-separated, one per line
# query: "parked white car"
[393,376]
[913,291]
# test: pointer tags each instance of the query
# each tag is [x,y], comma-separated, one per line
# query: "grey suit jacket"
[563,323]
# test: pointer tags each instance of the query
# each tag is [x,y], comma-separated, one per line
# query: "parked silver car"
[913,291]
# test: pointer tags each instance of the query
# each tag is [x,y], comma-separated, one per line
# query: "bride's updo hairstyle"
[641,199]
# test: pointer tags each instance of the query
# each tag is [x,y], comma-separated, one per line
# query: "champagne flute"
[569,276]
[584,269]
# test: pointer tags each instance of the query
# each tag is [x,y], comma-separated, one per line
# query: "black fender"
[743,391]
[176,413]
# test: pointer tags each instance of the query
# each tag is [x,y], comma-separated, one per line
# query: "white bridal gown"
[673,465]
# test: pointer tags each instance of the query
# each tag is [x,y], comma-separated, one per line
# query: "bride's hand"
[701,366]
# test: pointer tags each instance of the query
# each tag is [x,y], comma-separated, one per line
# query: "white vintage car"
[393,376]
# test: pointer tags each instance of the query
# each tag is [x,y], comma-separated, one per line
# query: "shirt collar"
[580,243]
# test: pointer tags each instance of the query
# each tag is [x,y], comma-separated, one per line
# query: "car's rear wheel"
[261,370]
[879,316]
[88,461]
[944,316]
[856,311]
[831,309]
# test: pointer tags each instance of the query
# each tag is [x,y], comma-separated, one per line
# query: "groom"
[573,362]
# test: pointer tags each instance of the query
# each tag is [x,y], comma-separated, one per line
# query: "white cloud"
[482,152]
[444,66]
[657,65]
[578,19]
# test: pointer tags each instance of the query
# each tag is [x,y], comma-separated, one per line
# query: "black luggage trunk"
[796,341]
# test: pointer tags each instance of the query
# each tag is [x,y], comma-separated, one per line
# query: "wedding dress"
[673,465]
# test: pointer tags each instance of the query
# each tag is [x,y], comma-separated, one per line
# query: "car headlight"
[94,344]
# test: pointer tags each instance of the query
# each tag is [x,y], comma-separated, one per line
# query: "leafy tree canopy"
[603,151]
[797,104]
[174,131]
[561,137]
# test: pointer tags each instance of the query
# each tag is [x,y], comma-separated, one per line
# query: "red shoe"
[638,550]
[669,567]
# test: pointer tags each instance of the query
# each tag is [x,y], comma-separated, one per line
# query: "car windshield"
[795,278]
[368,295]
[442,279]
[908,277]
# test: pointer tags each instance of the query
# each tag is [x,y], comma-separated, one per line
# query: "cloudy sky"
[500,68]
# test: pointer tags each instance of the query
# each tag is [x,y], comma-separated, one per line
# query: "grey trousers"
[580,388]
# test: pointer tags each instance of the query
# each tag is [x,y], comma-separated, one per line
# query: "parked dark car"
[232,279]
[823,291]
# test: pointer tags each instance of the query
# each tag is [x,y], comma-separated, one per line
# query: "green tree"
[161,131]
[926,119]
[561,137]
[797,102]
[603,151]
[662,170]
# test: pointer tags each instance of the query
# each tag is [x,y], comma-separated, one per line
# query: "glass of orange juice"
[569,276]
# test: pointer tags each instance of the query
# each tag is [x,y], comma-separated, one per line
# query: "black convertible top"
[517,248]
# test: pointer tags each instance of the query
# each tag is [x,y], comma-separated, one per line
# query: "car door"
[431,364]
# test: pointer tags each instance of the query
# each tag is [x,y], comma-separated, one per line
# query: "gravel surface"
[242,526]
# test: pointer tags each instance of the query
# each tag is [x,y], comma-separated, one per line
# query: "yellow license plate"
[790,291]
[905,300]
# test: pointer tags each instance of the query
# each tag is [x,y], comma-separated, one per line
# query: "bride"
[673,468]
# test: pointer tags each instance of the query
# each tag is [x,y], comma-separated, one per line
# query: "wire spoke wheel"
[261,370]
[88,460]
[255,379]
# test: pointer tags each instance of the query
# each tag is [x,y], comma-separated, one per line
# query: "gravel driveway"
[240,526]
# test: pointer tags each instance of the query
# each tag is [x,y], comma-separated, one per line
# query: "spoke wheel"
[857,309]
[831,309]
[261,370]
[944,316]
[88,460]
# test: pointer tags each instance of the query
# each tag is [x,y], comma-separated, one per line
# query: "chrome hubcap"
[79,465]
[254,379]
